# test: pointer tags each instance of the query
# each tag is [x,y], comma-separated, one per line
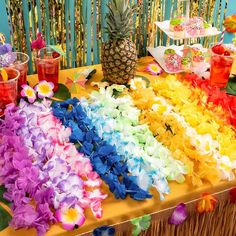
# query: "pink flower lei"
[59,166]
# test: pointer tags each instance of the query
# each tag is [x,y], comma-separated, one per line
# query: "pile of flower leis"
[117,120]
[60,177]
[199,152]
[22,179]
[205,121]
[111,167]
[212,97]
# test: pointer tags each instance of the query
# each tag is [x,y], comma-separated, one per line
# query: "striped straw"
[222,37]
[2,38]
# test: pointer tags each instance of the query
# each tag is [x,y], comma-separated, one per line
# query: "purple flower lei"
[47,169]
[6,56]
[22,180]
[5,48]
[62,155]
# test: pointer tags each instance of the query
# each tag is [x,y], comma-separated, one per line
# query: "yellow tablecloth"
[117,211]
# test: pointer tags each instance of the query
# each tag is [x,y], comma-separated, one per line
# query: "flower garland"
[104,158]
[60,167]
[213,98]
[75,171]
[22,180]
[116,120]
[172,130]
[7,57]
[203,120]
[204,144]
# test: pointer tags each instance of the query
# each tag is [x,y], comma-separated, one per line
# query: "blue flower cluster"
[104,231]
[103,156]
[120,134]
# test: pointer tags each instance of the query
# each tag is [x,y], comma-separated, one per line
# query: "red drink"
[221,65]
[8,89]
[48,65]
[21,64]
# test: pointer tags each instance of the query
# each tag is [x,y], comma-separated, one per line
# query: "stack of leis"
[203,120]
[117,120]
[59,174]
[22,180]
[74,166]
[199,152]
[104,158]
[212,97]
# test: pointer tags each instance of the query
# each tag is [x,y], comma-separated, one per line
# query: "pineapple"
[119,55]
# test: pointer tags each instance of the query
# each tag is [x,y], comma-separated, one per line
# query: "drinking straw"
[2,38]
[222,37]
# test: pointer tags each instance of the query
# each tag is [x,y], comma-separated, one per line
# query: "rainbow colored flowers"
[42,167]
[55,157]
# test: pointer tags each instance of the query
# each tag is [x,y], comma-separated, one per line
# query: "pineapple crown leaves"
[119,19]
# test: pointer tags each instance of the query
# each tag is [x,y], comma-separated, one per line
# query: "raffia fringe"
[220,222]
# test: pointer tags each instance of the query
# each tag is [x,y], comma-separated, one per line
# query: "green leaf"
[145,222]
[2,199]
[145,79]
[136,231]
[231,86]
[140,224]
[5,218]
[58,50]
[104,80]
[62,93]
[116,93]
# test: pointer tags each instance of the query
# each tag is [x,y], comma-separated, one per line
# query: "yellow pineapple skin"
[119,59]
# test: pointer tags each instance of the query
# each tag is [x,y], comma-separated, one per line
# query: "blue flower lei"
[104,231]
[103,156]
[147,176]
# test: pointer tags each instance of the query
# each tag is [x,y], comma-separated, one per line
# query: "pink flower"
[44,89]
[154,69]
[95,202]
[93,180]
[71,218]
[28,92]
[39,42]
[96,208]
[179,215]
[53,127]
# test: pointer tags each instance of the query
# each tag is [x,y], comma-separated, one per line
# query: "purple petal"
[179,215]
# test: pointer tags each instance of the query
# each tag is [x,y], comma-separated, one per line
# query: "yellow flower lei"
[170,133]
[186,102]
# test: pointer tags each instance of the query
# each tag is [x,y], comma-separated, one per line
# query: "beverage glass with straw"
[21,64]
[221,64]
[48,65]
[8,87]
